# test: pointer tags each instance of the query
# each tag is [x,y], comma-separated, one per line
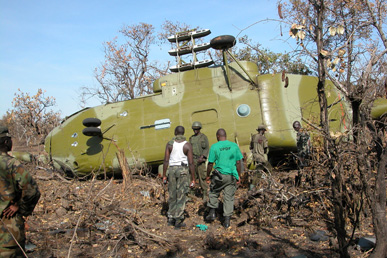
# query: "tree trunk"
[339,211]
[379,209]
[329,145]
[355,104]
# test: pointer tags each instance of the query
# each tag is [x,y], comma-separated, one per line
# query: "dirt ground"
[113,218]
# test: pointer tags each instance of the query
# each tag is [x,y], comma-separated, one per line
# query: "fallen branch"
[79,220]
[52,176]
[146,232]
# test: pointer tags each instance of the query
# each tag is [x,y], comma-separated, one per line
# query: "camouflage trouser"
[256,175]
[201,174]
[303,158]
[260,167]
[8,245]
[229,186]
[177,189]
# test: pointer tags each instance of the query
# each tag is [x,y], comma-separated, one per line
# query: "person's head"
[221,134]
[179,130]
[296,126]
[5,139]
[196,126]
[261,129]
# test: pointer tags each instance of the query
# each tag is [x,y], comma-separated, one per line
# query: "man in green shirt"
[226,159]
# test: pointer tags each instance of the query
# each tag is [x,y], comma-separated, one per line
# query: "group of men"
[185,162]
[188,157]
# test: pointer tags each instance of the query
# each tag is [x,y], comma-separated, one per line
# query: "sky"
[56,45]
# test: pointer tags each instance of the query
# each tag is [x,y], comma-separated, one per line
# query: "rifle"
[216,173]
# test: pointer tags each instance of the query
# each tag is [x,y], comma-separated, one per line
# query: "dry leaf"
[341,52]
[292,33]
[332,31]
[301,34]
[340,30]
[324,52]
[280,11]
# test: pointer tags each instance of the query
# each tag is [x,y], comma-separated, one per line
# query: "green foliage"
[268,61]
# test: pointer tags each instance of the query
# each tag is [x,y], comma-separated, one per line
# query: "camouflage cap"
[197,125]
[4,131]
[261,127]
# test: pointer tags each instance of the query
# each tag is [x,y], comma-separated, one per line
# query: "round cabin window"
[243,110]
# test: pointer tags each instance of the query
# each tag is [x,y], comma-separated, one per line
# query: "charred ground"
[127,218]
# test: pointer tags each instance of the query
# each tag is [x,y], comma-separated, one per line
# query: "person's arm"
[30,192]
[266,146]
[10,210]
[8,204]
[189,153]
[209,169]
[239,165]
[168,150]
[207,148]
[6,188]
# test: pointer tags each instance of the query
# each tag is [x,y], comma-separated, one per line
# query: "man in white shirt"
[178,159]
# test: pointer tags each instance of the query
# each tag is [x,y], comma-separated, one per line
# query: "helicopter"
[233,96]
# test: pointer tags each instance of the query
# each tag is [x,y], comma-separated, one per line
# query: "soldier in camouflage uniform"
[200,147]
[19,194]
[259,148]
[178,159]
[303,144]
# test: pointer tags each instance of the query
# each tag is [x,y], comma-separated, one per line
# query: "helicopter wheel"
[92,131]
[91,122]
[223,42]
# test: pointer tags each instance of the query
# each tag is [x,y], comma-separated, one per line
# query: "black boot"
[179,224]
[211,215]
[171,222]
[226,222]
